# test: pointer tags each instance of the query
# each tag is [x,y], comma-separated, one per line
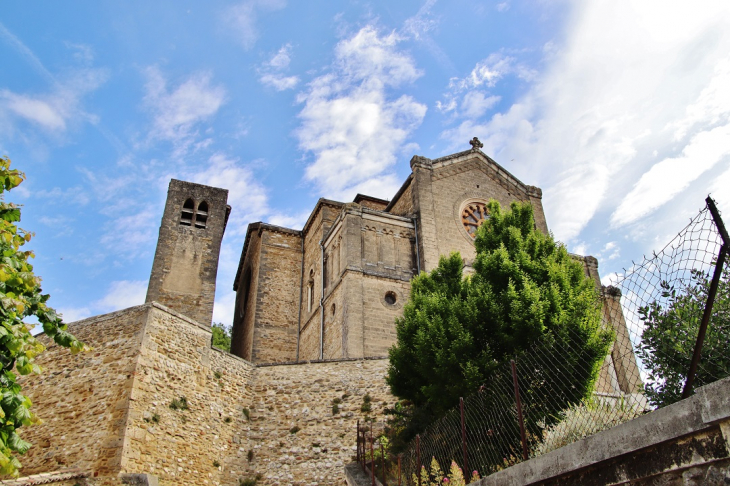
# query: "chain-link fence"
[663,313]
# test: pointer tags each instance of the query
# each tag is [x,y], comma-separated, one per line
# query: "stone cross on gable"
[475,143]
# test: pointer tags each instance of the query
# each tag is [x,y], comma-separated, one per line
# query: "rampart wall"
[83,399]
[155,399]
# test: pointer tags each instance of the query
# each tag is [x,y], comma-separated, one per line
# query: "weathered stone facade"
[186,261]
[314,319]
[109,413]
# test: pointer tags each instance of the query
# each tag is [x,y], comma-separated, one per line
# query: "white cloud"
[502,7]
[242,18]
[421,23]
[350,124]
[486,72]
[73,314]
[53,111]
[475,104]
[611,279]
[176,112]
[83,53]
[34,110]
[282,58]
[133,233]
[719,192]
[672,175]
[466,97]
[271,73]
[26,53]
[121,295]
[629,79]
[75,195]
[223,308]
[246,196]
[279,82]
[289,220]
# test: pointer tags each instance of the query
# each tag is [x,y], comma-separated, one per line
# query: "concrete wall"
[687,444]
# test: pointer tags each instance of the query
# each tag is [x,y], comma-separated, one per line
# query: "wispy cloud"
[469,98]
[26,53]
[423,22]
[672,175]
[272,72]
[350,124]
[241,19]
[51,111]
[624,101]
[246,195]
[48,115]
[177,111]
[122,294]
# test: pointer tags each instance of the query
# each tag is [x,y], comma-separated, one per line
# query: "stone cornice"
[317,208]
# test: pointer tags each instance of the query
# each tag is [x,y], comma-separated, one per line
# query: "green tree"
[525,291]
[670,332]
[20,298]
[221,336]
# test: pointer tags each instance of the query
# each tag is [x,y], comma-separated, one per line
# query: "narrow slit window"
[186,218]
[310,291]
[201,215]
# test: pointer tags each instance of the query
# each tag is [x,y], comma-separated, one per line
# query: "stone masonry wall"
[244,319]
[83,399]
[451,187]
[203,444]
[296,437]
[277,297]
[309,338]
[379,315]
[184,270]
[404,205]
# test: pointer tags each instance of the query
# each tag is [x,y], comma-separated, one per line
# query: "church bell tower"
[186,260]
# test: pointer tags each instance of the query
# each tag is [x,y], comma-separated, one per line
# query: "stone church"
[314,318]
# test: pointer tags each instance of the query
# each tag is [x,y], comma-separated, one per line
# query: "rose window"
[472,217]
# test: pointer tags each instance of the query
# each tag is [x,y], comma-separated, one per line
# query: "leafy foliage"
[457,331]
[670,333]
[20,297]
[221,336]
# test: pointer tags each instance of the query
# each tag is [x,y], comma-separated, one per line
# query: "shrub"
[179,403]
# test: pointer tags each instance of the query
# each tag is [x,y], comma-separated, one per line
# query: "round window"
[473,215]
[390,298]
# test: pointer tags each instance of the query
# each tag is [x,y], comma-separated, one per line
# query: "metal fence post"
[418,458]
[372,458]
[357,442]
[463,434]
[710,296]
[525,454]
[382,463]
[399,472]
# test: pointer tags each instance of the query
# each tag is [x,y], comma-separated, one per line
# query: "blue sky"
[618,110]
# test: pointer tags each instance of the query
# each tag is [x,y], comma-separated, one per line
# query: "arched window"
[201,215]
[192,216]
[186,219]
